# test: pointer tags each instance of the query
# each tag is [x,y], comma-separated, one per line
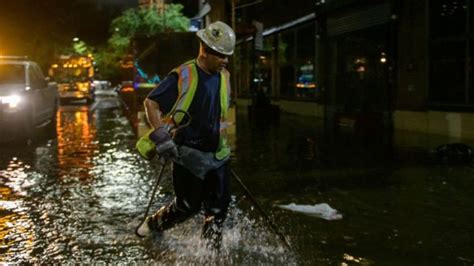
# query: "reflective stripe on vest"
[187,85]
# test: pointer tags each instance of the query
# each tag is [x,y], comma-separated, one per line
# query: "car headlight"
[12,100]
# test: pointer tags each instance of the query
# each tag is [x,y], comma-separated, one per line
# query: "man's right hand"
[165,146]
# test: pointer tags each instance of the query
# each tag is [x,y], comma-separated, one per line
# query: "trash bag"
[322,210]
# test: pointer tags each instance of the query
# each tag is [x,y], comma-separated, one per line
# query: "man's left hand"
[165,146]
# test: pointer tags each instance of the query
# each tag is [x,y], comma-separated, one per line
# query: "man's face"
[215,62]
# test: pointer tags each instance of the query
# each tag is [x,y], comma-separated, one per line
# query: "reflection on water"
[15,228]
[15,224]
[75,142]
[76,199]
[400,207]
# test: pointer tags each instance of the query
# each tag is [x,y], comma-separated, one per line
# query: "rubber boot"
[154,223]
[159,220]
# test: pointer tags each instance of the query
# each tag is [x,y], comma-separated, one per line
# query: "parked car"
[27,99]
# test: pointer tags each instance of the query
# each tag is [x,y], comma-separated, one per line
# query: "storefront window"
[287,47]
[305,86]
[448,17]
[448,54]
[297,70]
[305,43]
[305,83]
[448,75]
[243,61]
[362,75]
[470,7]
[471,72]
[262,77]
[283,68]
[287,68]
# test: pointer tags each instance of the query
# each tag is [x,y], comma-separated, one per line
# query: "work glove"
[165,146]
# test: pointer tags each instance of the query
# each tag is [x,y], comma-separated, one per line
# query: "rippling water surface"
[76,197]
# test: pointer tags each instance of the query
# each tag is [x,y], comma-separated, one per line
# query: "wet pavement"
[75,197]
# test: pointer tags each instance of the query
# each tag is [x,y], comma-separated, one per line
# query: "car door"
[38,96]
[48,94]
[34,95]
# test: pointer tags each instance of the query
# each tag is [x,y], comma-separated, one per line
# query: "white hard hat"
[219,37]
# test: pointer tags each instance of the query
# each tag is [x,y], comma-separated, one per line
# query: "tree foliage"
[146,21]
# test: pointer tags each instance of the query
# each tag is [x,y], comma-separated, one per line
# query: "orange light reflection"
[76,147]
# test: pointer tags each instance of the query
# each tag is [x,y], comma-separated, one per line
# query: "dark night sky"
[30,26]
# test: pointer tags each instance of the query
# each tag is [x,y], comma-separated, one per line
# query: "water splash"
[245,241]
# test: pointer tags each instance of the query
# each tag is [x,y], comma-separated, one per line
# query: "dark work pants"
[192,193]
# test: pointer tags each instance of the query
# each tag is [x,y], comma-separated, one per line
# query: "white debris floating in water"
[322,210]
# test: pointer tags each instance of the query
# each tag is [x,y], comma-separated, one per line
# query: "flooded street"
[401,205]
[77,198]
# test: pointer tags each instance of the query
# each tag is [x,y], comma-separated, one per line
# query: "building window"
[243,58]
[448,17]
[297,71]
[305,86]
[287,68]
[361,77]
[449,50]
[471,68]
[448,75]
[262,76]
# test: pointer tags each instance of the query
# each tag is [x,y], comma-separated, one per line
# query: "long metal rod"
[151,199]
[262,212]
[163,167]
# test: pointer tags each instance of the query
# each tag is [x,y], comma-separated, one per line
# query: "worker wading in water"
[199,152]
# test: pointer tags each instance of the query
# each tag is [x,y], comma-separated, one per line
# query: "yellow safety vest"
[187,85]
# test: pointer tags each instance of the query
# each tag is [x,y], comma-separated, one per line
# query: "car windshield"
[11,74]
